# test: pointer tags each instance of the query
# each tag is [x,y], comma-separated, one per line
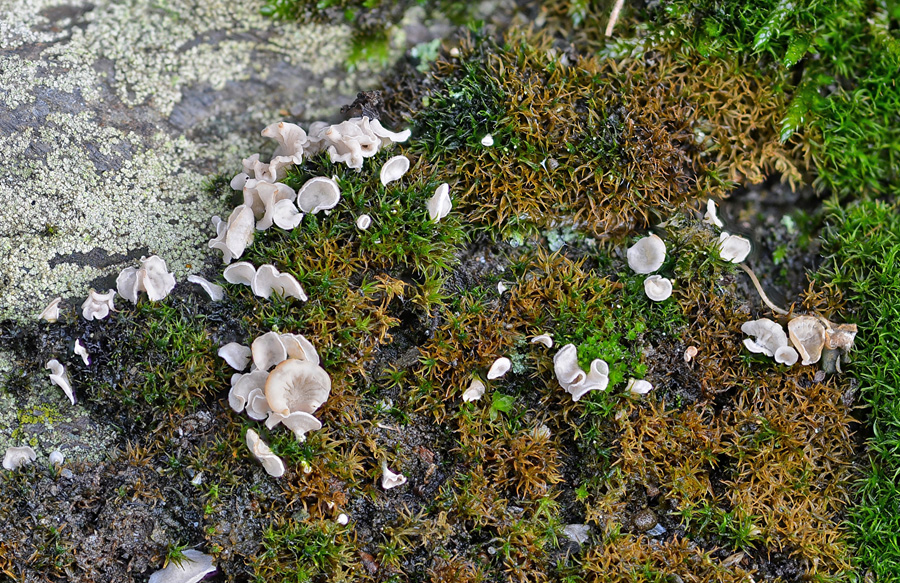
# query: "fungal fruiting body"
[808,337]
[268,280]
[236,355]
[711,215]
[152,277]
[394,169]
[658,288]
[60,378]
[51,312]
[297,385]
[389,479]
[16,457]
[647,255]
[216,292]
[768,336]
[57,458]
[194,567]
[363,222]
[81,351]
[440,205]
[474,392]
[98,306]
[500,367]
[638,387]
[233,236]
[733,248]
[544,339]
[487,141]
[263,453]
[241,272]
[575,381]
[318,194]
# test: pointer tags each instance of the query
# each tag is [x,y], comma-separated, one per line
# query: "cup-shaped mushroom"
[808,337]
[286,216]
[236,355]
[474,392]
[786,355]
[389,479]
[768,336]
[238,233]
[544,339]
[97,306]
[16,457]
[440,205]
[299,347]
[268,350]
[388,137]
[658,288]
[215,292]
[575,381]
[241,272]
[191,569]
[269,280]
[155,278]
[647,255]
[299,422]
[638,387]
[60,378]
[733,248]
[257,405]
[269,195]
[363,222]
[297,385]
[262,452]
[51,312]
[241,387]
[318,194]
[394,169]
[500,367]
[291,140]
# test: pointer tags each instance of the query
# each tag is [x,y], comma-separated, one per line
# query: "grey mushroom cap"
[193,568]
[60,378]
[241,387]
[155,278]
[269,195]
[647,255]
[499,368]
[297,385]
[233,237]
[318,194]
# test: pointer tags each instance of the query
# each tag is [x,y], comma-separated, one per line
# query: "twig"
[614,16]
[759,289]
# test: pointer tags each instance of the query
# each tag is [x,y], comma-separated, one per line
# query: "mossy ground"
[733,466]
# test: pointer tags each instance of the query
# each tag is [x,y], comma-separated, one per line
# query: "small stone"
[644,520]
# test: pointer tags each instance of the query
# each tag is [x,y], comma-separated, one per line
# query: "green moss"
[295,552]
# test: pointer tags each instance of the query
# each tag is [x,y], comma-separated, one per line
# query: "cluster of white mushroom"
[811,337]
[285,386]
[646,256]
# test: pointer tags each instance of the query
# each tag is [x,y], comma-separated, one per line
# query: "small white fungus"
[363,222]
[389,479]
[733,248]
[440,205]
[60,378]
[51,312]
[500,367]
[474,392]
[216,292]
[487,141]
[16,457]
[193,568]
[81,351]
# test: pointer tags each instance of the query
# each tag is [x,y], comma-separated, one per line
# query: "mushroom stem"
[759,289]
[613,17]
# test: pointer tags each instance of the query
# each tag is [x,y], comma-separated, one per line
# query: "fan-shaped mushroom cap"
[241,272]
[97,306]
[394,169]
[647,255]
[268,350]
[270,462]
[388,137]
[575,381]
[59,378]
[474,392]
[440,205]
[192,569]
[768,336]
[291,140]
[57,458]
[351,141]
[638,386]
[658,288]
[544,339]
[733,248]
[216,293]
[786,355]
[269,280]
[152,278]
[16,457]
[299,422]
[256,170]
[839,336]
[51,312]
[233,237]
[690,352]
[236,355]
[257,405]
[363,222]
[286,216]
[318,194]
[711,215]
[808,337]
[81,351]
[297,346]
[500,367]
[389,479]
[263,198]
[297,385]
[244,384]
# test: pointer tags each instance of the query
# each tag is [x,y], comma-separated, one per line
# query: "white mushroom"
[57,458]
[236,355]
[733,248]
[348,142]
[97,306]
[363,222]
[264,197]
[241,387]
[474,392]
[233,237]
[690,352]
[81,351]
[388,137]
[638,387]
[575,381]
[51,312]
[263,453]
[343,519]
[318,194]
[389,479]
[808,337]
[297,385]
[299,422]
[268,350]
[152,277]
[768,336]
[711,215]
[487,141]
[16,457]
[257,405]
[440,205]
[286,216]
[192,569]
[269,280]
[647,255]
[60,378]
[241,272]
[216,292]
[297,346]
[786,355]
[394,169]
[291,140]
[500,367]
[544,339]
[658,288]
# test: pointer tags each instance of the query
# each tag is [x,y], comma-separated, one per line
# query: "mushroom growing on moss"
[233,237]
[269,280]
[474,392]
[500,367]
[16,457]
[152,277]
[647,255]
[658,288]
[440,205]
[575,381]
[733,248]
[394,169]
[215,292]
[236,355]
[97,306]
[297,385]
[808,337]
[194,567]
[389,479]
[318,194]
[263,453]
